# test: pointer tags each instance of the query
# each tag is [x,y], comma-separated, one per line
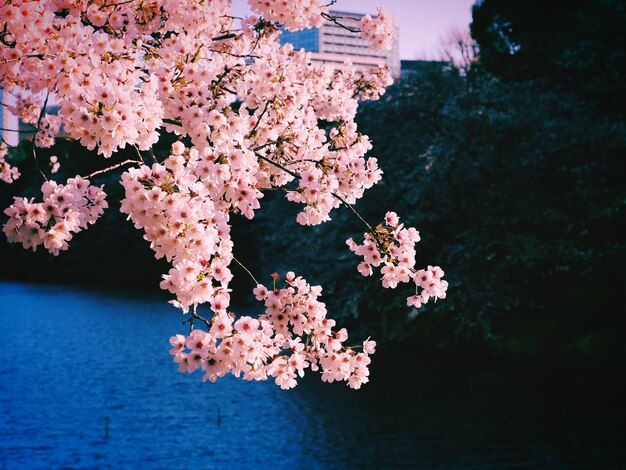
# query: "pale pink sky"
[423,23]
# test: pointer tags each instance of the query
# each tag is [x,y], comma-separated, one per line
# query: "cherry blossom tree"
[249,116]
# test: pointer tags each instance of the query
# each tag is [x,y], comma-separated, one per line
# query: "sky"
[423,24]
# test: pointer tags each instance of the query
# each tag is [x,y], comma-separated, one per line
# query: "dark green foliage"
[513,171]
[577,45]
[517,192]
[111,252]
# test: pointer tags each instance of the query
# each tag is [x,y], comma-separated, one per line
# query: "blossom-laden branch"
[249,115]
[338,197]
[292,335]
[65,209]
[392,246]
[8,173]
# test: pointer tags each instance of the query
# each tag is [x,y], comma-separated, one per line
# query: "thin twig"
[90,175]
[43,111]
[30,56]
[194,316]
[41,115]
[225,36]
[336,196]
[172,122]
[141,156]
[243,56]
[245,269]
[115,4]
[273,142]
[349,206]
[251,133]
[17,130]
[37,162]
[333,19]
[278,165]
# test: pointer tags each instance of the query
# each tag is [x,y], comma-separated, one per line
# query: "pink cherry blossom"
[8,173]
[66,209]
[380,31]
[393,245]
[292,335]
[248,115]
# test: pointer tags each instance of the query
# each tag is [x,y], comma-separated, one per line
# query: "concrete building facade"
[333,44]
[9,123]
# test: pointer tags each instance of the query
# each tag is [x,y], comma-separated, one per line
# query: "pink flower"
[365,269]
[391,218]
[222,326]
[178,343]
[415,301]
[119,79]
[380,31]
[369,346]
[260,292]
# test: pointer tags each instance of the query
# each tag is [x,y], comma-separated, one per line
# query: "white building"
[9,123]
[333,44]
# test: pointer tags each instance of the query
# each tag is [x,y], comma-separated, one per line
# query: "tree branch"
[336,196]
[41,114]
[125,162]
[333,19]
[17,130]
[195,316]
[246,270]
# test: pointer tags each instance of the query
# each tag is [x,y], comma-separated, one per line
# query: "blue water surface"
[72,359]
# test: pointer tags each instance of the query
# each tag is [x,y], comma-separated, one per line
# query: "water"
[72,358]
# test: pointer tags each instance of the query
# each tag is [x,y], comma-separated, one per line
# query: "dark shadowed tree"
[577,45]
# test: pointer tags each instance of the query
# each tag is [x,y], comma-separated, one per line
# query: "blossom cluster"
[371,85]
[26,108]
[292,335]
[48,129]
[430,283]
[392,246]
[249,115]
[118,76]
[341,175]
[54,164]
[8,173]
[380,30]
[180,206]
[65,210]
[292,14]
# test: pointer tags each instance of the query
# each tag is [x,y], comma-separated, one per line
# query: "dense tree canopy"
[577,45]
